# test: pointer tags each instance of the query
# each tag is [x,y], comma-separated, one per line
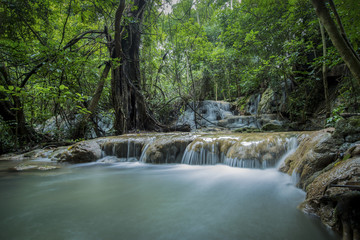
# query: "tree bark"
[131,112]
[345,50]
[118,85]
[12,112]
[324,72]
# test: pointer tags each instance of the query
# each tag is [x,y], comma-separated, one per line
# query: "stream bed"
[134,200]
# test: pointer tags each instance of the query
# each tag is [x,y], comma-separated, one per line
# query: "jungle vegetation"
[139,62]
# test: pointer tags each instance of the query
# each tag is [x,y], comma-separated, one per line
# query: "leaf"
[63,87]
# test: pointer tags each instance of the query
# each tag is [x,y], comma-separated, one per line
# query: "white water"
[211,151]
[210,111]
[133,200]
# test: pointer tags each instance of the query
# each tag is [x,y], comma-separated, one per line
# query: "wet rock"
[325,192]
[34,166]
[239,122]
[274,126]
[252,104]
[349,129]
[129,146]
[86,151]
[167,149]
[327,169]
[268,103]
[352,137]
[247,130]
[315,152]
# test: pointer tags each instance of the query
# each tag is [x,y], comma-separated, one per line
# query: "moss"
[272,127]
[265,102]
[355,122]
[241,103]
[247,130]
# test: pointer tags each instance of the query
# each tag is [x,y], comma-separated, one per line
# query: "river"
[134,200]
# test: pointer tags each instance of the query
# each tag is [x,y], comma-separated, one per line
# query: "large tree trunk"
[345,50]
[12,113]
[129,103]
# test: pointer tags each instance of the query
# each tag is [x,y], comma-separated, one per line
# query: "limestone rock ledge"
[327,166]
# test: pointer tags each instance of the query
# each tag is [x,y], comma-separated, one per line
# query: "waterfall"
[256,150]
[244,151]
[210,113]
[254,104]
[143,154]
[291,146]
[126,149]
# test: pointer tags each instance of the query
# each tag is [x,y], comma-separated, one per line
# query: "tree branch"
[69,44]
[64,27]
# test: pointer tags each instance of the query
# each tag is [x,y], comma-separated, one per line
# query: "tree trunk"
[324,72]
[80,129]
[12,112]
[345,50]
[129,103]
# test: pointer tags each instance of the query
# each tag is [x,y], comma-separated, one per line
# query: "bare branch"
[64,27]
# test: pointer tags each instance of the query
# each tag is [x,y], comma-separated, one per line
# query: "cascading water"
[253,104]
[256,150]
[245,151]
[208,114]
[217,114]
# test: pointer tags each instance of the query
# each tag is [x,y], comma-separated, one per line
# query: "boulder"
[349,129]
[329,171]
[316,151]
[85,151]
[268,103]
[330,193]
[274,126]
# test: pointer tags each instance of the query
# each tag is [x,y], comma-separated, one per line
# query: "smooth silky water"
[132,200]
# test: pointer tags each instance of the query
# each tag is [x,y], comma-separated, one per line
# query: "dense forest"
[137,64]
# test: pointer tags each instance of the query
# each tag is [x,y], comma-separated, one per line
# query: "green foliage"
[199,50]
[335,116]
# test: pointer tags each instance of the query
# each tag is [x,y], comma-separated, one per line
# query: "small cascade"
[216,115]
[295,177]
[125,149]
[202,153]
[210,113]
[144,151]
[244,151]
[240,122]
[256,150]
[253,104]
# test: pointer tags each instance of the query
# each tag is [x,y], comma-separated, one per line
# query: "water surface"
[143,201]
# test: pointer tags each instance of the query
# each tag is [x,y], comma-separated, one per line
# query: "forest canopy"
[139,63]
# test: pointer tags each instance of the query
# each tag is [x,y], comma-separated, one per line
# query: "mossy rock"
[266,104]
[348,128]
[241,103]
[273,127]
